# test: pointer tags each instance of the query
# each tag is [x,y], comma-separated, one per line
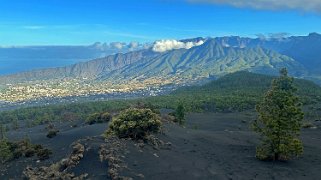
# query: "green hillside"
[236,91]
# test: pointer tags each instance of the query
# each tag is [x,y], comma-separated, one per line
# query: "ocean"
[15,65]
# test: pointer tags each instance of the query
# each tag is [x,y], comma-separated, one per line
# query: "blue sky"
[77,22]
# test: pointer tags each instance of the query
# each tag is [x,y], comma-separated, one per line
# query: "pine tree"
[180,113]
[279,121]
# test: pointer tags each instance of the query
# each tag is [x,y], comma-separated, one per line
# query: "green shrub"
[6,153]
[104,117]
[23,145]
[92,118]
[37,147]
[44,154]
[98,118]
[135,123]
[30,152]
[52,133]
[14,150]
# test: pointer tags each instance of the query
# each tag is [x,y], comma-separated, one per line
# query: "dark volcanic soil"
[210,146]
[219,146]
[60,146]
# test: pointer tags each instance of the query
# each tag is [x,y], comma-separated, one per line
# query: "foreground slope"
[210,146]
[217,146]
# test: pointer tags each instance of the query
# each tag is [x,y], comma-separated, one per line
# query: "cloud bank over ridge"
[167,45]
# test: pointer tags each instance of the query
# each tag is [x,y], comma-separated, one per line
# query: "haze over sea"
[9,65]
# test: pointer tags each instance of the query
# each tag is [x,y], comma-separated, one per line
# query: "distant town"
[73,90]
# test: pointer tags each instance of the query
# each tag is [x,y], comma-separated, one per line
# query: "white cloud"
[166,45]
[303,5]
[117,45]
[123,46]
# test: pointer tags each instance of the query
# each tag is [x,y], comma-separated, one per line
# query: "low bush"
[135,123]
[44,154]
[37,147]
[104,117]
[92,118]
[98,118]
[52,133]
[15,150]
[30,152]
[5,151]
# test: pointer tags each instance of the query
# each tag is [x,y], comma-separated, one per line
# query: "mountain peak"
[197,39]
[315,35]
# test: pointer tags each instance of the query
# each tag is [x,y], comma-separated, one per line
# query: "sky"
[83,22]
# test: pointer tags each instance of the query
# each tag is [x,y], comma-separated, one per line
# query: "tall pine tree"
[279,121]
[180,113]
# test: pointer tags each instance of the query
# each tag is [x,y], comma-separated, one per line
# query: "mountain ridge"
[167,62]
